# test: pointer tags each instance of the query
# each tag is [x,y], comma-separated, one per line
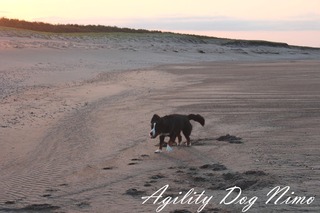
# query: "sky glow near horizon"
[295,22]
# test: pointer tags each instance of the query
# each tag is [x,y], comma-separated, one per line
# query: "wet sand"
[84,146]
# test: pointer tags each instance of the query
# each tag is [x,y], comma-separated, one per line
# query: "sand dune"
[75,113]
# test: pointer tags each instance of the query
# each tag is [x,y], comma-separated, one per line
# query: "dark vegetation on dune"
[66,28]
[246,43]
[76,28]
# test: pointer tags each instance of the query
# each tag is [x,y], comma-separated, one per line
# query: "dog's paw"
[169,149]
[158,151]
[186,144]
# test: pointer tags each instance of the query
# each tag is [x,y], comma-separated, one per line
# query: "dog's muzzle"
[151,135]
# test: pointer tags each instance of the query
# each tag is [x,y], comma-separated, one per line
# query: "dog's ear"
[155,118]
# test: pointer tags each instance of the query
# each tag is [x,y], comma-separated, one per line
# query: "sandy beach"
[75,119]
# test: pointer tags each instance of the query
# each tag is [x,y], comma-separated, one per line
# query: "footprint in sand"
[134,192]
[10,202]
[83,204]
[158,176]
[108,168]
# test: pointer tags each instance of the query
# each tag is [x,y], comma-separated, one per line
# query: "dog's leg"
[187,132]
[179,139]
[171,141]
[169,149]
[188,141]
[160,144]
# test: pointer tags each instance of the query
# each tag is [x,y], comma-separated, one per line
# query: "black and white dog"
[172,126]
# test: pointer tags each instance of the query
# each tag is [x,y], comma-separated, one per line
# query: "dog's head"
[156,125]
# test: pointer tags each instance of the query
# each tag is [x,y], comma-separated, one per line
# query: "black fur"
[172,126]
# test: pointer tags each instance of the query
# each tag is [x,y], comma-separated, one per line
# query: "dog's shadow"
[203,141]
[208,141]
[194,142]
[225,138]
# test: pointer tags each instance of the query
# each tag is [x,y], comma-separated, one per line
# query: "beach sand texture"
[75,117]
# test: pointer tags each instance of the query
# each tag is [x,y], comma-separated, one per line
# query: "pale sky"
[292,21]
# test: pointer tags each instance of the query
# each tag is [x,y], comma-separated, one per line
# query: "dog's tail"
[197,118]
